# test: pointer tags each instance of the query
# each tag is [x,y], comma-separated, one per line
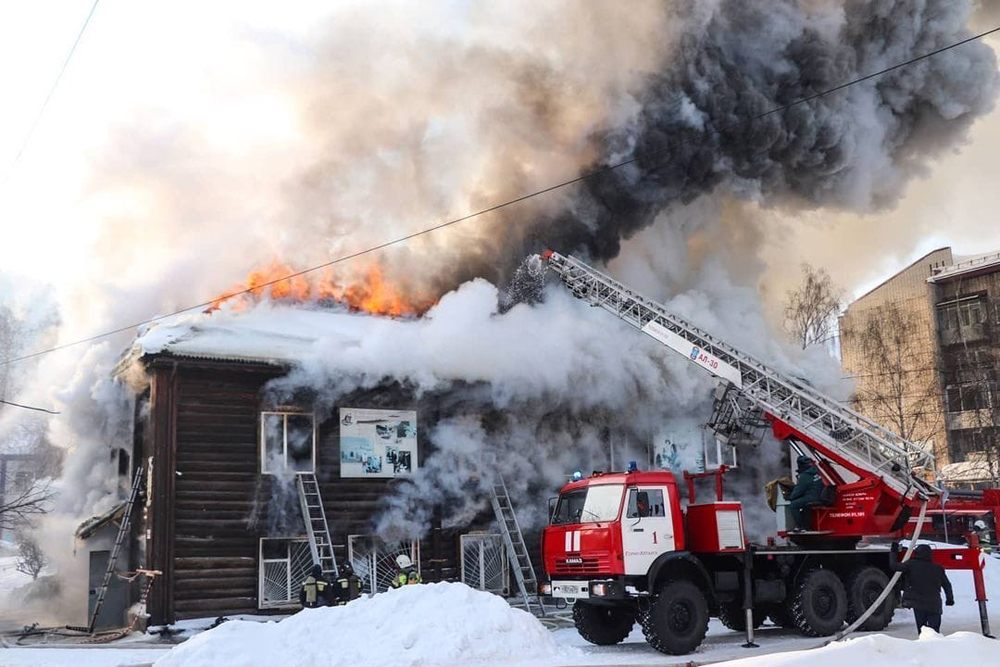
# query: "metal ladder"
[833,425]
[317,528]
[517,552]
[123,533]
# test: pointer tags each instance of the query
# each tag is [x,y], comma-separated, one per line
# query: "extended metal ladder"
[317,528]
[517,552]
[123,533]
[834,426]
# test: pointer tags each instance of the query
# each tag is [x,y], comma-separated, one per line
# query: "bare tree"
[30,559]
[811,308]
[19,507]
[899,386]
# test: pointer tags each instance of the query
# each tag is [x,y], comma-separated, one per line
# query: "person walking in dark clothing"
[923,584]
[808,490]
[313,590]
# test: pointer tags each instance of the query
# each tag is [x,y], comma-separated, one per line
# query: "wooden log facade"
[207,505]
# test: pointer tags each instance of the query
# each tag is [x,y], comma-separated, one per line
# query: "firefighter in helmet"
[347,587]
[407,574]
[313,591]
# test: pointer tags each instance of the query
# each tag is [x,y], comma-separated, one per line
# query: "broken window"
[288,443]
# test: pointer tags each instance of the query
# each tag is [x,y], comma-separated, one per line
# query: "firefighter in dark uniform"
[347,587]
[313,592]
[808,490]
[407,574]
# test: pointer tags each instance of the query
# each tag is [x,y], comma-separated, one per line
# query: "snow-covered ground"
[450,624]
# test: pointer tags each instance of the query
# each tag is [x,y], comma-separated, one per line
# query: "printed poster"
[678,449]
[377,443]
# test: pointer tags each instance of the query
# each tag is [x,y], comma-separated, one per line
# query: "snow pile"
[931,650]
[432,624]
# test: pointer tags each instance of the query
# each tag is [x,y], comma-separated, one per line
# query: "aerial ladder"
[893,474]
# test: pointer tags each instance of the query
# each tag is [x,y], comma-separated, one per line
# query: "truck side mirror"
[552,507]
[642,503]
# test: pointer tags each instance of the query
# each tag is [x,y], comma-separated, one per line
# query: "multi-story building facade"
[924,348]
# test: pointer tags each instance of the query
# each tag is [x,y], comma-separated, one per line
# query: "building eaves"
[967,269]
[905,268]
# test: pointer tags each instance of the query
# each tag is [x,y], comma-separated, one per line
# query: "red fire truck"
[623,548]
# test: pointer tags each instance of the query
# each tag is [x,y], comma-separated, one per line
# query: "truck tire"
[732,615]
[603,625]
[819,603]
[677,619]
[863,586]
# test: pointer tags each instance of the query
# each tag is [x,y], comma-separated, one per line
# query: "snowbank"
[432,624]
[931,650]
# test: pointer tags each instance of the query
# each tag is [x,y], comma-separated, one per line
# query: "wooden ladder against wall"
[317,528]
[517,551]
[123,533]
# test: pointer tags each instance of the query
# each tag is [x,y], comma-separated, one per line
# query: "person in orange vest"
[407,574]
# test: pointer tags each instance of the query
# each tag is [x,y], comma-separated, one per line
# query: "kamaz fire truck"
[623,549]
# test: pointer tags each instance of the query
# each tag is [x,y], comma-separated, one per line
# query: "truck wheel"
[864,585]
[677,619]
[819,603]
[732,615]
[603,625]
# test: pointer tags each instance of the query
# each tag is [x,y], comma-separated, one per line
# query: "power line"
[496,207]
[48,97]
[28,407]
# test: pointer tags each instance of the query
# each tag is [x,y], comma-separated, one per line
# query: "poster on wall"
[377,443]
[677,449]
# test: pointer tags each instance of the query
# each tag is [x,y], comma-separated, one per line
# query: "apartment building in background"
[924,350]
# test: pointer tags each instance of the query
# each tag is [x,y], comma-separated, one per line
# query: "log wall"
[210,504]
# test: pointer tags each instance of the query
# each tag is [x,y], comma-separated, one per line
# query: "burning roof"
[270,332]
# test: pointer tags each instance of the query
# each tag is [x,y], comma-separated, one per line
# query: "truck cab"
[607,530]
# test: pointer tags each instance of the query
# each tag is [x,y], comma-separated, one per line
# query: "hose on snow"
[888,587]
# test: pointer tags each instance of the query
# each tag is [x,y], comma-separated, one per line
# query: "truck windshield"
[589,504]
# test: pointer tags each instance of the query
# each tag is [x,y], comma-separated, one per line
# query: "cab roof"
[656,477]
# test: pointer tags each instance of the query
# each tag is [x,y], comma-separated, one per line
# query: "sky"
[178,63]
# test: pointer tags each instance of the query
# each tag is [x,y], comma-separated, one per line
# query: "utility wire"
[496,207]
[48,97]
[28,407]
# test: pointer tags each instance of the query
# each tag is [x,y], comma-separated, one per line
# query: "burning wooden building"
[227,470]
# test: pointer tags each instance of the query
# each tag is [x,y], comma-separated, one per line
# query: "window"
[655,499]
[22,481]
[589,504]
[971,441]
[961,320]
[962,397]
[288,443]
[284,564]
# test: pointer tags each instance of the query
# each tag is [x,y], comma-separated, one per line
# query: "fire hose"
[889,586]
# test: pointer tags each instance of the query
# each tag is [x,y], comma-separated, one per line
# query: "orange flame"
[370,292]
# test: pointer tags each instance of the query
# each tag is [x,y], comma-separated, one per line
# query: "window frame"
[285,414]
[293,600]
[632,500]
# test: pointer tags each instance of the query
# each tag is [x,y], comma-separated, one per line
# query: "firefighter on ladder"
[313,591]
[407,574]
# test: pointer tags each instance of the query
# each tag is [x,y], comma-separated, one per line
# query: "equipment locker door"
[647,527]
